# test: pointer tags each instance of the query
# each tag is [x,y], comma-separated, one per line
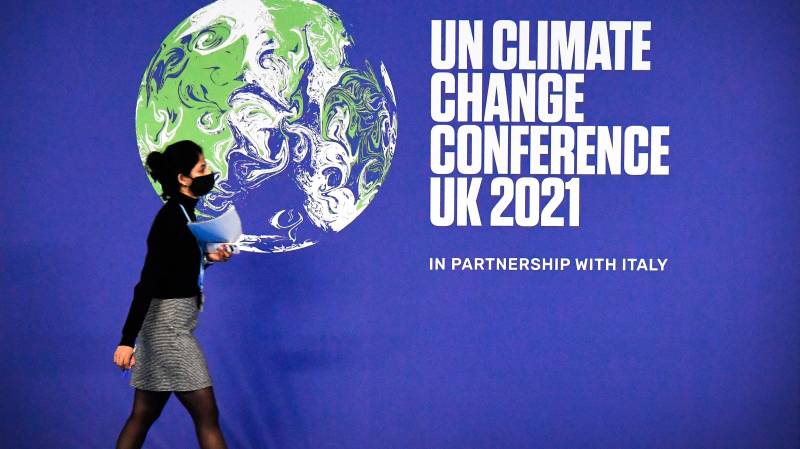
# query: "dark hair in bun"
[178,157]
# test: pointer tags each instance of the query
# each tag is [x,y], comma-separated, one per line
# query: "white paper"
[227,228]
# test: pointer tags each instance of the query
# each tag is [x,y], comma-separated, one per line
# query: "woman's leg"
[202,405]
[147,406]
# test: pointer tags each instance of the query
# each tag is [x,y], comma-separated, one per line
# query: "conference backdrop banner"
[464,224]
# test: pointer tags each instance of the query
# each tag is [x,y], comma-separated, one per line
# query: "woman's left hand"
[221,254]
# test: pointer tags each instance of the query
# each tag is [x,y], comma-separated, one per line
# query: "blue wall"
[354,343]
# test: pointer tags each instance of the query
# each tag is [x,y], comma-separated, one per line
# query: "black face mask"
[201,185]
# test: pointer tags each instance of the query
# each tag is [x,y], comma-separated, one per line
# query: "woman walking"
[166,303]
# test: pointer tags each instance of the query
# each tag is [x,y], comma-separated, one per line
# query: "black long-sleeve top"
[171,266]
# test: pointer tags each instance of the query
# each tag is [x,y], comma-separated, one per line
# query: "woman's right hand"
[124,358]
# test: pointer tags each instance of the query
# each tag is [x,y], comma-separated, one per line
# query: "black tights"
[147,406]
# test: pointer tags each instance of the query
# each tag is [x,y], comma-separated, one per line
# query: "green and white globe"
[302,140]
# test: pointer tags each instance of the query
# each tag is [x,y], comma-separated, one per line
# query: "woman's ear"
[183,180]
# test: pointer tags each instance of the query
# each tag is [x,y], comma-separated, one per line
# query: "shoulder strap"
[188,219]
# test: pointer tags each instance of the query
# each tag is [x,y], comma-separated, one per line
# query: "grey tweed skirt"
[168,356]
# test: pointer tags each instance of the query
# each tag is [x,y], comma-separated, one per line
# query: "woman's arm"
[136,313]
[157,251]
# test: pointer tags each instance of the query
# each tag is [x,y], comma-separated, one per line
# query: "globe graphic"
[301,139]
